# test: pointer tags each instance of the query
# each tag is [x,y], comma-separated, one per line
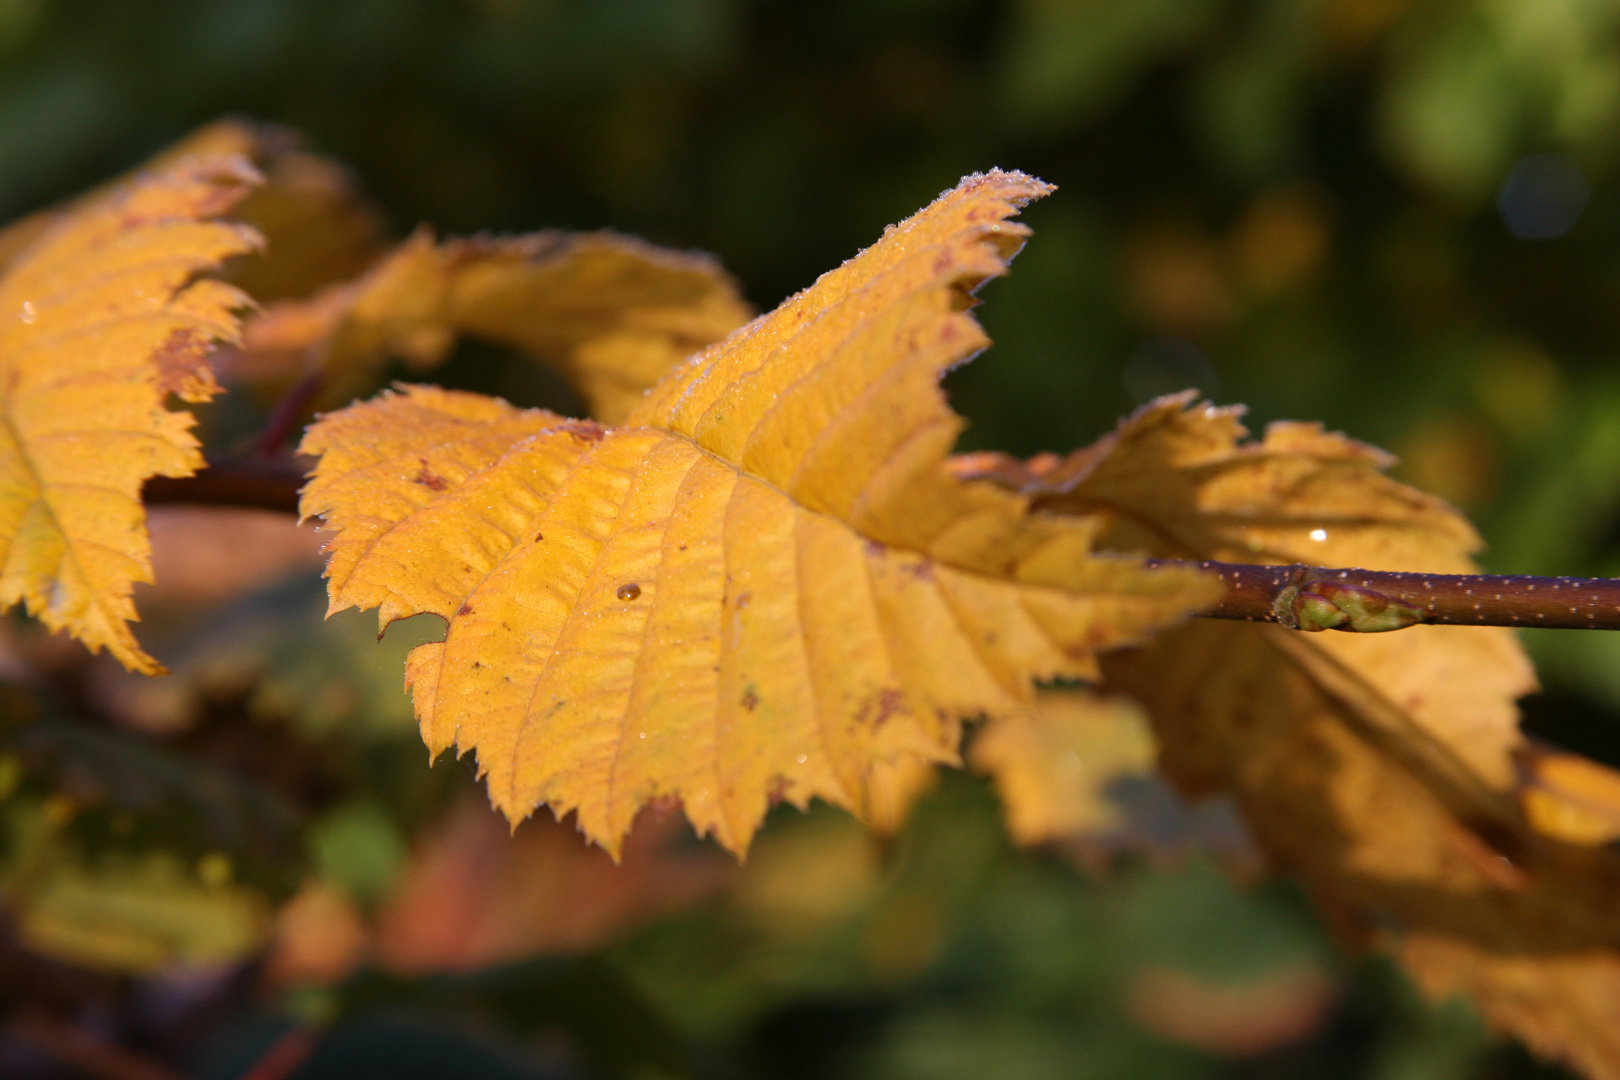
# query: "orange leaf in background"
[102,316]
[1237,1019]
[612,314]
[1569,796]
[765,584]
[476,894]
[1382,768]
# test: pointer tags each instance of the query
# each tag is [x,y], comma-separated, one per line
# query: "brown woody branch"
[1299,597]
[262,485]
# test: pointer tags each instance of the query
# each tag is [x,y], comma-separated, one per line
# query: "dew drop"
[1319,534]
[802,758]
[629,591]
[28,314]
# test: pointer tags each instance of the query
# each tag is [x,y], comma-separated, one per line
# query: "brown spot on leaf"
[428,479]
[743,599]
[750,700]
[464,609]
[876,710]
[663,805]
[182,366]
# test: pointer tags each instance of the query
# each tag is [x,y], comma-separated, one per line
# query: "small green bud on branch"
[1372,601]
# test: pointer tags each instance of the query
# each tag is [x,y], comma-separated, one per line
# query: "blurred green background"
[1398,218]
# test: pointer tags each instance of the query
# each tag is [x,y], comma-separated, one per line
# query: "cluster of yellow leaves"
[105,311]
[772,581]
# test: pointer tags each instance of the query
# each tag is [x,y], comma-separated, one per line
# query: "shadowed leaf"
[1380,767]
[612,314]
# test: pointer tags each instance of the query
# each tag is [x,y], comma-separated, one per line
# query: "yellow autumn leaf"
[316,226]
[1569,796]
[102,316]
[1053,764]
[1180,482]
[1080,769]
[612,314]
[767,585]
[1379,767]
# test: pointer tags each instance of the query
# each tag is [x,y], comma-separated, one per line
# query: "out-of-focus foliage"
[1395,217]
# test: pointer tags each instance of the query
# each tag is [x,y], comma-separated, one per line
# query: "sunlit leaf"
[102,317]
[763,586]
